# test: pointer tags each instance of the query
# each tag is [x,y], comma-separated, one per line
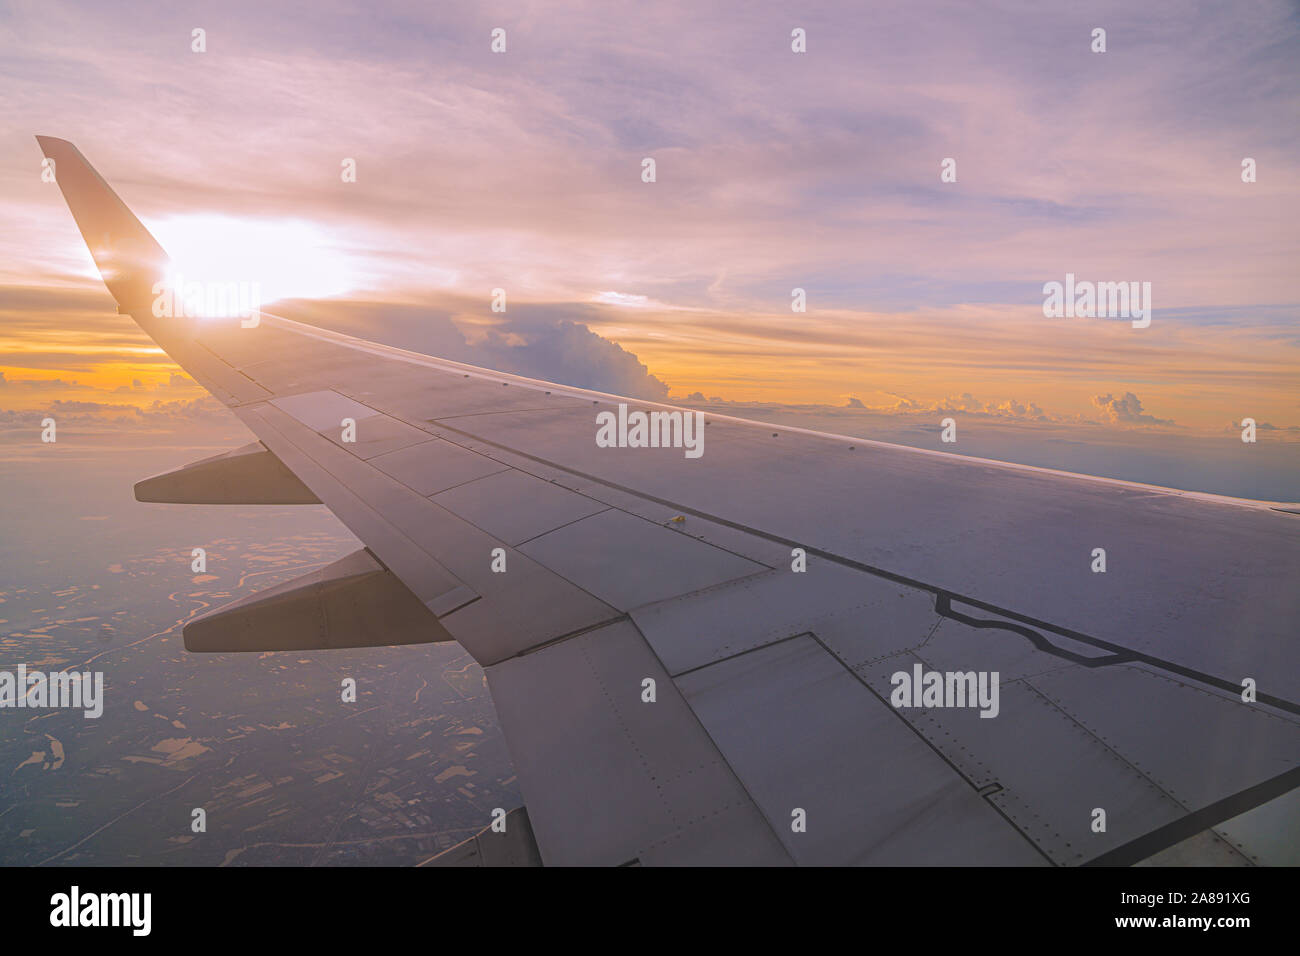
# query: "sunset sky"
[775,170]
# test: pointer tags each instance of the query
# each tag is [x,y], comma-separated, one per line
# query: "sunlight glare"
[280,259]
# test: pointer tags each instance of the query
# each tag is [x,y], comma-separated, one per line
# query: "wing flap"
[593,752]
[249,475]
[352,602]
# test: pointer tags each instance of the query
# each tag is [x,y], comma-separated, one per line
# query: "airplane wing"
[790,647]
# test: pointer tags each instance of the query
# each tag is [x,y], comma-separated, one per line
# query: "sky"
[522,170]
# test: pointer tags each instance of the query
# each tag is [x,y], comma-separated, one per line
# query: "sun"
[280,259]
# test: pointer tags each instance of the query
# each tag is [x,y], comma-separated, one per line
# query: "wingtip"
[48,142]
[129,258]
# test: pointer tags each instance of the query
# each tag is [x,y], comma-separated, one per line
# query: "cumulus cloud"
[1263,427]
[40,384]
[964,404]
[175,380]
[1126,410]
[158,414]
[545,341]
[901,403]
[567,352]
[902,408]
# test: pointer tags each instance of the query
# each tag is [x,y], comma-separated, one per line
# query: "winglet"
[129,258]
